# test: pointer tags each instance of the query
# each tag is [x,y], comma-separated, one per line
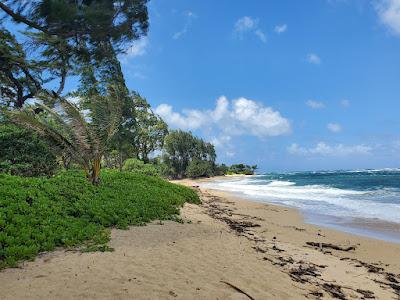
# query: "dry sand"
[227,248]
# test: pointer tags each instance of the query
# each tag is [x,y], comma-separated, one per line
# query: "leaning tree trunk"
[94,175]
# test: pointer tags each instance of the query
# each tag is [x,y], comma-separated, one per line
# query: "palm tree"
[82,134]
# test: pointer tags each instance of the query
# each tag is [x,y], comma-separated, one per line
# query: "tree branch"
[21,19]
[19,88]
[28,75]
[62,82]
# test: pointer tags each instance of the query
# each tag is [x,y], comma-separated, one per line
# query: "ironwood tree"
[64,38]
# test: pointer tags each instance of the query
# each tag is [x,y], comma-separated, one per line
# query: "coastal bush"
[23,153]
[221,169]
[138,166]
[40,214]
[242,169]
[199,168]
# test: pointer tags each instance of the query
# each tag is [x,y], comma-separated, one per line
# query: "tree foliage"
[65,37]
[83,136]
[242,169]
[149,131]
[23,153]
[19,77]
[181,148]
[200,168]
[141,132]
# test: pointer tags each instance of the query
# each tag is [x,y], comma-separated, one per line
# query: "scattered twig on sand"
[237,289]
[392,277]
[330,246]
[334,290]
[298,274]
[366,294]
[370,267]
[315,294]
[277,249]
[259,249]
[395,287]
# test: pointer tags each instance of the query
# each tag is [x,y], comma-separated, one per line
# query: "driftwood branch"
[330,246]
[237,289]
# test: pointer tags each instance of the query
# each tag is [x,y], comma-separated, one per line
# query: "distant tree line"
[242,169]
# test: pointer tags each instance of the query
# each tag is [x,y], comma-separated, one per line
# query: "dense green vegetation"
[140,133]
[182,148]
[23,153]
[200,168]
[39,214]
[241,169]
[138,166]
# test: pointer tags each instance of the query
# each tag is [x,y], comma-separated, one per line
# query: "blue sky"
[287,85]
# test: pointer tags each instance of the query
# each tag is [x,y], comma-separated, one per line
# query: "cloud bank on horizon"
[323,149]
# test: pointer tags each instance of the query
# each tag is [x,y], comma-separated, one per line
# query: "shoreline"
[286,232]
[225,248]
[366,227]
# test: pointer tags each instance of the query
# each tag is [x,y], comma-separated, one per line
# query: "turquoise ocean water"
[331,198]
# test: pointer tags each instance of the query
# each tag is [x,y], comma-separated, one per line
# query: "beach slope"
[227,248]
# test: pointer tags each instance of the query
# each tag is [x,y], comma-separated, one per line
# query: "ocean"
[341,199]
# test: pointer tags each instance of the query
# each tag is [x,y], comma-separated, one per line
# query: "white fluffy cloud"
[313,58]
[237,117]
[323,149]
[280,28]
[315,104]
[261,35]
[334,127]
[246,25]
[190,120]
[189,17]
[138,48]
[389,14]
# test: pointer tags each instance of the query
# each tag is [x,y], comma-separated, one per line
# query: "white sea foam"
[317,198]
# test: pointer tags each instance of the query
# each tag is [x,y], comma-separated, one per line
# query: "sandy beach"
[226,248]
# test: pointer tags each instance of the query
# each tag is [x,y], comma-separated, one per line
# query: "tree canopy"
[181,148]
[65,37]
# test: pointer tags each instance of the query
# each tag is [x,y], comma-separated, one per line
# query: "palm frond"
[107,114]
[76,120]
[29,119]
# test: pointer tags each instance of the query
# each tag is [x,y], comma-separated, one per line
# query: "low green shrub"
[138,166]
[23,153]
[40,214]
